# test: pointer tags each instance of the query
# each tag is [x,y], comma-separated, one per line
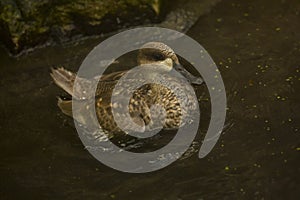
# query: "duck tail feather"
[64,79]
[65,106]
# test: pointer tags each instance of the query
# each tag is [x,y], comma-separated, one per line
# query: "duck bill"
[190,77]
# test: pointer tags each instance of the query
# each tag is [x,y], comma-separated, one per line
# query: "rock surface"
[25,24]
[28,23]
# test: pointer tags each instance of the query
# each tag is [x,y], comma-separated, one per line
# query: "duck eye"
[158,56]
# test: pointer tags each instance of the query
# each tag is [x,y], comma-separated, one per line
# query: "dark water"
[257,48]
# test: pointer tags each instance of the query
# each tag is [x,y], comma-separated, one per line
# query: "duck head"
[160,53]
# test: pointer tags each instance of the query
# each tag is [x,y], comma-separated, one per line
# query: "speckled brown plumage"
[141,101]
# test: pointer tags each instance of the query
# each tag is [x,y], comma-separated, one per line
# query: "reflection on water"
[256,47]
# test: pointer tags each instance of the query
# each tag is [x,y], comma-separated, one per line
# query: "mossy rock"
[28,23]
